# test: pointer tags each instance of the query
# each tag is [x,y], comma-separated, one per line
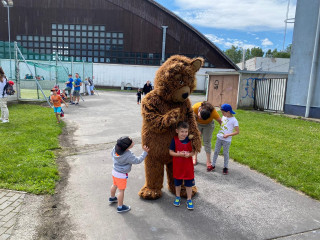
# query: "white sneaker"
[5,121]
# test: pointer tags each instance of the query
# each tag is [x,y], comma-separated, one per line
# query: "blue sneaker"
[113,199]
[177,202]
[189,204]
[124,208]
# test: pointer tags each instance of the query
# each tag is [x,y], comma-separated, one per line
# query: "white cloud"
[266,42]
[242,15]
[228,43]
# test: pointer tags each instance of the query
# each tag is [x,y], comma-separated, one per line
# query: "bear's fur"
[162,109]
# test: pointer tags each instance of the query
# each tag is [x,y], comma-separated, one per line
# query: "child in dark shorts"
[183,170]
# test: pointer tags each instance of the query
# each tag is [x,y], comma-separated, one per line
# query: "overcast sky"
[243,23]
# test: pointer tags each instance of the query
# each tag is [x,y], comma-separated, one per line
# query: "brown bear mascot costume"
[162,109]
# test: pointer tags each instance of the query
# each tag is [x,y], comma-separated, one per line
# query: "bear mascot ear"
[197,64]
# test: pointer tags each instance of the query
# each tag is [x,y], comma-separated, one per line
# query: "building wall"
[301,61]
[266,64]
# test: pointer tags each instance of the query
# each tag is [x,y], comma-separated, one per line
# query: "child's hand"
[225,135]
[145,148]
[186,154]
[66,105]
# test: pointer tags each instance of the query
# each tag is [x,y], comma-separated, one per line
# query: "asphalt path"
[242,205]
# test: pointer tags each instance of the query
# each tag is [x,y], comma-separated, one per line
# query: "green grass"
[27,161]
[33,94]
[285,149]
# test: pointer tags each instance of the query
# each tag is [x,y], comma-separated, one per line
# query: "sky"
[242,23]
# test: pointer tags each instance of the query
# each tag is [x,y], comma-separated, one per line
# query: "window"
[102,28]
[65,33]
[66,39]
[90,34]
[72,39]
[108,47]
[90,40]
[102,41]
[66,52]
[24,38]
[96,53]
[84,59]
[30,38]
[59,26]
[60,33]
[36,38]
[89,59]
[78,40]
[108,35]
[96,34]
[89,53]
[72,46]
[84,34]
[71,52]
[114,41]
[120,41]
[42,45]
[102,34]
[120,35]
[114,35]
[150,55]
[65,27]
[36,44]
[54,26]
[96,47]
[71,33]
[107,60]
[102,54]
[18,38]
[54,32]
[54,39]
[71,27]
[96,28]
[78,52]
[84,40]
[84,52]
[48,39]
[108,41]
[84,46]
[90,28]
[84,28]
[90,47]
[48,45]
[30,44]
[101,59]
[78,46]
[78,27]
[78,34]
[102,47]
[96,40]
[43,51]
[60,39]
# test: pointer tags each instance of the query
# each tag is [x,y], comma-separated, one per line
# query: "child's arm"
[189,154]
[64,102]
[232,134]
[176,154]
[136,160]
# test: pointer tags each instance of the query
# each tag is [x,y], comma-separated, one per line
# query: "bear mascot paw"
[162,109]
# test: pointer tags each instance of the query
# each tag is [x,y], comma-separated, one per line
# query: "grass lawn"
[27,161]
[33,94]
[285,149]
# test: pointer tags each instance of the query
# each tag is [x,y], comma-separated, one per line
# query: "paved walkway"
[10,205]
[242,205]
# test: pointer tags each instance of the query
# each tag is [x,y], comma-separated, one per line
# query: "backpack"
[8,89]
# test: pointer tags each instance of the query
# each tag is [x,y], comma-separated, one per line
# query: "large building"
[105,31]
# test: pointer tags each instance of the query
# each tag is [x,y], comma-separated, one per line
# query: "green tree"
[256,52]
[279,54]
[234,53]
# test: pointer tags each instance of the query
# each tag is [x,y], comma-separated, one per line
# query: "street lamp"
[8,4]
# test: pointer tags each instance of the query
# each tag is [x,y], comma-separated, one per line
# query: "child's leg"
[216,151]
[189,192]
[178,190]
[226,146]
[58,117]
[120,197]
[113,191]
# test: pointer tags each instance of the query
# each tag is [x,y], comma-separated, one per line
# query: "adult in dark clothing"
[147,88]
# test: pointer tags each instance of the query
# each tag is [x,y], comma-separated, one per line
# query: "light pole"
[8,4]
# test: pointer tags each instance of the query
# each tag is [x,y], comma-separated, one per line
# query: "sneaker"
[210,168]
[225,171]
[124,208]
[189,204]
[177,202]
[72,103]
[113,199]
[5,120]
[77,103]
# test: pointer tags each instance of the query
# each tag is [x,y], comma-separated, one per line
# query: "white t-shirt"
[2,85]
[227,126]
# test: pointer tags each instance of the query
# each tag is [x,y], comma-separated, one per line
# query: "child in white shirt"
[229,127]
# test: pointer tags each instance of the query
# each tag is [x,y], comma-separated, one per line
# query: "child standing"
[123,159]
[183,170]
[56,100]
[229,127]
[139,93]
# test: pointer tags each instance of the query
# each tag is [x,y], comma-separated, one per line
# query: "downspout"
[206,84]
[164,32]
[313,67]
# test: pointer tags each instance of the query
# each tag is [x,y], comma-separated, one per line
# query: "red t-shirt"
[182,167]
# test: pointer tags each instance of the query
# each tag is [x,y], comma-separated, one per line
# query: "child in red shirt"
[56,100]
[183,170]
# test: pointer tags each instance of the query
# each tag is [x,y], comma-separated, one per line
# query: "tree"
[281,54]
[256,52]
[234,53]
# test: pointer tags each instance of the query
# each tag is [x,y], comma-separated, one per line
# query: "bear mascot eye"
[181,82]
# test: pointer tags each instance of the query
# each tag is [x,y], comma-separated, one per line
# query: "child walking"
[123,159]
[229,127]
[183,170]
[139,93]
[56,100]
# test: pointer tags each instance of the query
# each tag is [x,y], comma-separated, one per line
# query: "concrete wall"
[113,75]
[246,88]
[266,64]
[301,60]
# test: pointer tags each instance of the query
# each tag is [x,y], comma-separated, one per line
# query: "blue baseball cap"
[227,108]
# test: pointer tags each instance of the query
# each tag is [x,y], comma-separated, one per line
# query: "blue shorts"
[187,183]
[57,109]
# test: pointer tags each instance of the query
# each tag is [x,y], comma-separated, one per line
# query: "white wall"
[113,75]
[266,64]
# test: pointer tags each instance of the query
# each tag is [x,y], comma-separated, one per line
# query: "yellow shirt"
[214,115]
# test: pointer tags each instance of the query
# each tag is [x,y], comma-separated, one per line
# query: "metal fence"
[269,94]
